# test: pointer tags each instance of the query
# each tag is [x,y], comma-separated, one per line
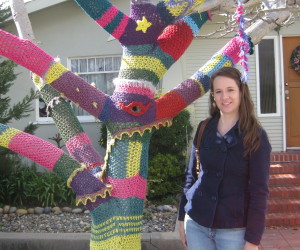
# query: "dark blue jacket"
[232,190]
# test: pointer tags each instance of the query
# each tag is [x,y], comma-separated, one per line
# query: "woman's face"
[226,95]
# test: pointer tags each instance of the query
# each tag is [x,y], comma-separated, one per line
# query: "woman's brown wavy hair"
[248,124]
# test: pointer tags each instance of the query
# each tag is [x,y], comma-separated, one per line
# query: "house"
[64,30]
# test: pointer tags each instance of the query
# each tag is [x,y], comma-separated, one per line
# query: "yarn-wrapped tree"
[153,37]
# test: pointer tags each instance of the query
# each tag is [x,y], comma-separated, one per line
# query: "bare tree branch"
[21,19]
[272,12]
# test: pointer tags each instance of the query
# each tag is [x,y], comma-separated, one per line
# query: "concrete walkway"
[281,238]
[273,239]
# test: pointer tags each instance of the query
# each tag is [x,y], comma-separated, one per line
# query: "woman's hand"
[250,246]
[182,233]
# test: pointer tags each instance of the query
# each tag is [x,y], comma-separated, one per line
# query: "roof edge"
[36,5]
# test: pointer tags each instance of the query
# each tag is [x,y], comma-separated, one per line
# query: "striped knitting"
[77,141]
[38,150]
[153,38]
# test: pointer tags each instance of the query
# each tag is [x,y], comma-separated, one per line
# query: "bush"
[165,176]
[174,139]
[23,186]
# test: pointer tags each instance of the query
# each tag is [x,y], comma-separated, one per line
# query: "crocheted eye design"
[135,108]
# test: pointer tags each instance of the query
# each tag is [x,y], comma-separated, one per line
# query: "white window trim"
[277,76]
[82,118]
[41,120]
[282,93]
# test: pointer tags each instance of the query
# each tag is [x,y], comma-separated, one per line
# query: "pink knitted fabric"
[77,141]
[233,48]
[134,90]
[120,31]
[124,188]
[38,150]
[24,53]
[107,16]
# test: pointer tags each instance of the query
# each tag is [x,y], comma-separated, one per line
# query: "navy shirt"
[232,190]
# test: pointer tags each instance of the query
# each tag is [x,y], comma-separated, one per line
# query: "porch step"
[285,168]
[285,192]
[284,188]
[285,179]
[283,219]
[283,205]
[285,157]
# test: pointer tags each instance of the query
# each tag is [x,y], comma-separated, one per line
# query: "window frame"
[82,118]
[277,78]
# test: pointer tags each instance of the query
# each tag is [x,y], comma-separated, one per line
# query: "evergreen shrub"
[24,186]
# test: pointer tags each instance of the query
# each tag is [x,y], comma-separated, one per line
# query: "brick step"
[284,192]
[280,205]
[285,157]
[284,179]
[285,168]
[283,219]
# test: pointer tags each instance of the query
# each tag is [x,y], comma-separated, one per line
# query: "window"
[267,77]
[97,70]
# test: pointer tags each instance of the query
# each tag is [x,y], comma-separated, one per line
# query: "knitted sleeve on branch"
[38,61]
[77,141]
[176,38]
[38,150]
[151,61]
[88,188]
[179,9]
[106,15]
[54,159]
[128,29]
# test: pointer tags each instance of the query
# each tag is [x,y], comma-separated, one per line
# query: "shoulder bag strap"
[197,146]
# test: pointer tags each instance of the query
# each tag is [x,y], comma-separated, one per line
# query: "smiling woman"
[224,206]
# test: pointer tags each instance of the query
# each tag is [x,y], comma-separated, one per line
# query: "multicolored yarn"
[38,150]
[78,181]
[245,47]
[181,8]
[148,53]
[153,38]
[77,142]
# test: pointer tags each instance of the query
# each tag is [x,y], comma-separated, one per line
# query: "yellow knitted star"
[143,25]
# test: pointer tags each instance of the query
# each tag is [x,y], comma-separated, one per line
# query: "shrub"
[165,176]
[23,186]
[174,139]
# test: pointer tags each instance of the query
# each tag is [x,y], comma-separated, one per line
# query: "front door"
[292,93]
